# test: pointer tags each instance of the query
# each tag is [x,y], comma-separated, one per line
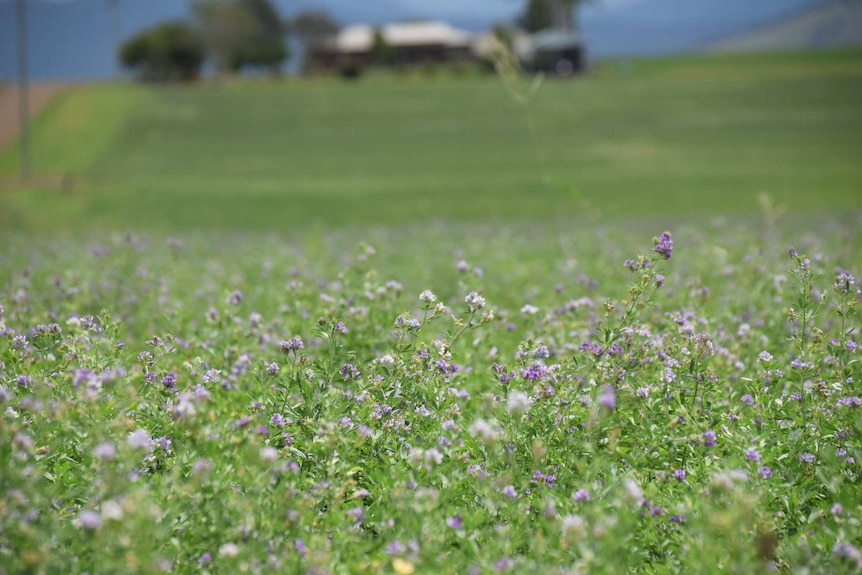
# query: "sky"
[71,39]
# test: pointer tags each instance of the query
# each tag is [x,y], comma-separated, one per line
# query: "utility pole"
[23,92]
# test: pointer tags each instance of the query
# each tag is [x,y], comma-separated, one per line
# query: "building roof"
[360,37]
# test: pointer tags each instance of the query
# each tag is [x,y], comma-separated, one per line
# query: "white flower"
[634,491]
[269,454]
[518,402]
[474,300]
[529,310]
[433,456]
[428,296]
[228,550]
[573,526]
[386,360]
[112,510]
[416,456]
[483,431]
[725,480]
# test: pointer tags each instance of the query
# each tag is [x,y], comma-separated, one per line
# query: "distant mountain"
[825,24]
[642,27]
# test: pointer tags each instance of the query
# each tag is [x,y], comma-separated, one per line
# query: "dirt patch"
[40,96]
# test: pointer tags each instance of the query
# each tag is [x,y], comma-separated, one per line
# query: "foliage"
[381,51]
[167,52]
[242,33]
[537,15]
[266,47]
[541,14]
[500,399]
[311,28]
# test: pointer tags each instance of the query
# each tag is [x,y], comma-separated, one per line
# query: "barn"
[406,44]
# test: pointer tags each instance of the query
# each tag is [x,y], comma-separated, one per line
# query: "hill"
[670,138]
[826,24]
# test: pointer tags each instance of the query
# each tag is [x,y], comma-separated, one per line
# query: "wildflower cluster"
[261,409]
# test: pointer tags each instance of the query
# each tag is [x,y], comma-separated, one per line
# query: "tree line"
[233,35]
[236,35]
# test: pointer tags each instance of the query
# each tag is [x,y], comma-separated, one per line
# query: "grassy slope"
[671,137]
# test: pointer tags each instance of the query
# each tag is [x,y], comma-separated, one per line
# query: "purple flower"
[140,439]
[664,245]
[806,458]
[852,401]
[752,455]
[764,472]
[607,398]
[170,381]
[277,420]
[709,438]
[356,513]
[581,495]
[340,328]
[454,522]
[844,283]
[534,372]
[747,399]
[105,451]
[293,344]
[348,371]
[679,474]
[846,550]
[89,520]
[592,348]
[206,557]
[509,492]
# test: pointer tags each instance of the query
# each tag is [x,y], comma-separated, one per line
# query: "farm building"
[402,44]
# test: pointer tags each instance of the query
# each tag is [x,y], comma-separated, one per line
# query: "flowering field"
[455,399]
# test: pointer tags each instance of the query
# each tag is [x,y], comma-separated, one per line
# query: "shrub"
[169,52]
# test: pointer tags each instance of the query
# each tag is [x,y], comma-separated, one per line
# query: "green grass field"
[669,137]
[385,327]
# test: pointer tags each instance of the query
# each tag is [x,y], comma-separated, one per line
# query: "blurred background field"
[661,137]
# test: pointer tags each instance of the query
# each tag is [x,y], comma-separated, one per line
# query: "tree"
[266,45]
[541,14]
[226,27]
[538,15]
[381,51]
[168,52]
[311,28]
